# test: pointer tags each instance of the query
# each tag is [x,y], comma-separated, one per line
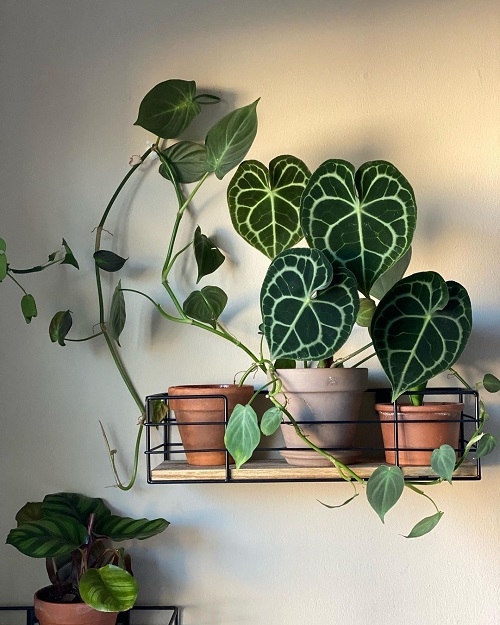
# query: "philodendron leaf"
[363,220]
[3,259]
[264,203]
[394,274]
[308,309]
[48,538]
[109,261]
[491,383]
[59,326]
[425,525]
[366,311]
[486,445]
[108,589]
[271,420]
[420,328]
[32,511]
[28,307]
[69,257]
[242,434]
[208,256]
[443,462]
[74,505]
[169,108]
[117,313]
[206,305]
[384,488]
[230,139]
[187,159]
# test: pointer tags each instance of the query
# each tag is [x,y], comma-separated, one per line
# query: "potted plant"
[91,580]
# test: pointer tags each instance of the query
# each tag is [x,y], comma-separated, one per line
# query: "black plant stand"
[172,613]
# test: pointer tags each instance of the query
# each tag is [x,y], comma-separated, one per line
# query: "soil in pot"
[421,429]
[49,613]
[201,419]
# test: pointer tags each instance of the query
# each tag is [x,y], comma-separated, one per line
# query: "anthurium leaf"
[285,363]
[206,305]
[394,274]
[264,203]
[28,307]
[230,139]
[3,260]
[242,434]
[208,256]
[69,257]
[59,326]
[425,525]
[117,313]
[48,538]
[363,220]
[366,311]
[271,420]
[486,445]
[74,505]
[109,261]
[308,309]
[124,528]
[169,108]
[187,159]
[491,383]
[108,589]
[443,462]
[420,328]
[384,488]
[32,511]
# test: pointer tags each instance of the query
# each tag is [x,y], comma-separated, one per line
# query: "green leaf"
[340,505]
[187,159]
[425,525]
[3,260]
[28,307]
[205,305]
[308,309]
[32,511]
[242,434]
[59,326]
[208,256]
[169,108]
[486,445]
[443,462]
[491,383]
[109,261]
[420,328]
[69,258]
[48,538]
[366,311]
[74,505]
[108,589]
[362,220]
[120,528]
[271,420]
[117,313]
[384,488]
[393,275]
[264,203]
[230,139]
[160,410]
[285,363]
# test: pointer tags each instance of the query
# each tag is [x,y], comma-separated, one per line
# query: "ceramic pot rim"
[427,407]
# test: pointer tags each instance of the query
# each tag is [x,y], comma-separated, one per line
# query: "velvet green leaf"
[187,159]
[264,203]
[389,278]
[28,307]
[491,383]
[230,139]
[308,309]
[443,462]
[205,305]
[271,420]
[108,589]
[59,326]
[384,488]
[117,313]
[109,261]
[486,445]
[48,538]
[169,108]
[363,220]
[32,511]
[74,505]
[242,434]
[425,525]
[3,260]
[208,256]
[420,328]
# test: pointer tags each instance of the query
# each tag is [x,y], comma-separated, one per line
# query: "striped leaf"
[108,589]
[48,538]
[264,203]
[363,220]
[75,506]
[123,528]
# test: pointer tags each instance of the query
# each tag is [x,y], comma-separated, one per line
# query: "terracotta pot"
[421,429]
[191,413]
[49,613]
[322,395]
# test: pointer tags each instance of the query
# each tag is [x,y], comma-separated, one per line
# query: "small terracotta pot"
[417,440]
[49,613]
[191,413]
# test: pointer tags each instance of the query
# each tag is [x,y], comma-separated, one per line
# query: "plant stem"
[14,280]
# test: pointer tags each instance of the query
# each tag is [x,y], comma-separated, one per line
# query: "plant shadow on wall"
[358,226]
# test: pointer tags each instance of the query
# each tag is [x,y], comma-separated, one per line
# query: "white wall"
[415,83]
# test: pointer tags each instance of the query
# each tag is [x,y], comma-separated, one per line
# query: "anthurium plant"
[75,534]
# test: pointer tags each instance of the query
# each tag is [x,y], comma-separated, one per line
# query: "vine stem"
[14,280]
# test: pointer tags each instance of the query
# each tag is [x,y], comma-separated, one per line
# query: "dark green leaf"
[340,505]
[48,538]
[69,258]
[285,363]
[388,279]
[491,383]
[3,260]
[60,326]
[271,420]
[486,445]
[384,488]
[208,256]
[120,528]
[242,434]
[28,307]
[230,139]
[366,312]
[74,505]
[425,525]
[117,313]
[32,511]
[206,305]
[108,589]
[109,261]
[443,462]
[187,159]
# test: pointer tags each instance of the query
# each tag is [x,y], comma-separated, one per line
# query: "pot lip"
[38,599]
[435,406]
[211,387]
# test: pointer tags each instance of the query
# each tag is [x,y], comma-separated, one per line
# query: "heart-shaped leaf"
[3,260]
[363,220]
[384,488]
[28,307]
[48,538]
[271,420]
[206,305]
[425,525]
[230,139]
[109,261]
[486,445]
[420,328]
[242,434]
[443,462]
[208,256]
[491,383]
[187,159]
[264,203]
[117,313]
[108,589]
[308,309]
[59,326]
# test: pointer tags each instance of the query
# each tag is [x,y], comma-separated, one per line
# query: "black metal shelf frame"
[169,449]
[124,618]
